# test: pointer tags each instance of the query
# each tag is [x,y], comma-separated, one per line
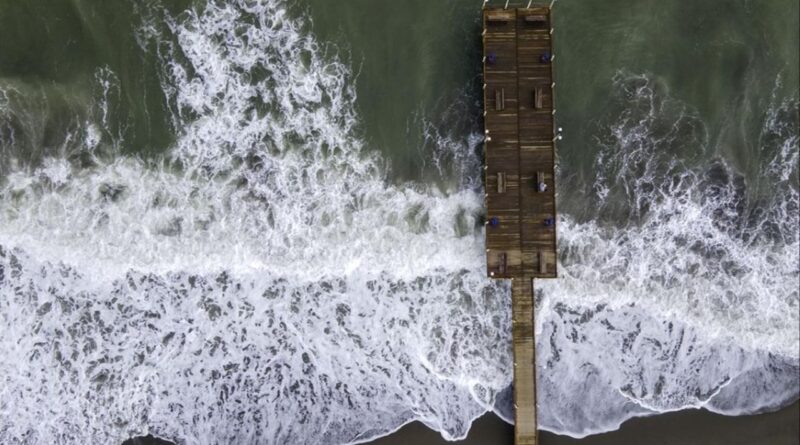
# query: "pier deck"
[519,156]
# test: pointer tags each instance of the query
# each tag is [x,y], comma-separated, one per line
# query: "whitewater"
[265,282]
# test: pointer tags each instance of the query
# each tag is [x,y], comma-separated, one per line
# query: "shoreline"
[685,427]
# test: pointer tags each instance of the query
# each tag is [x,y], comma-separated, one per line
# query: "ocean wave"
[264,283]
[682,291]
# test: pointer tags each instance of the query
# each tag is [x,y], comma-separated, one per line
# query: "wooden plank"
[542,263]
[500,99]
[500,16]
[525,429]
[519,155]
[538,98]
[536,19]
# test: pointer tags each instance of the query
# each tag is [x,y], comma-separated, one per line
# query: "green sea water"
[727,62]
[178,176]
[50,53]
[417,64]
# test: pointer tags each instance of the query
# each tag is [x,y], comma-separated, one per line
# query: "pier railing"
[508,4]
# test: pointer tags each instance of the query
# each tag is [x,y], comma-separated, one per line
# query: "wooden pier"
[520,178]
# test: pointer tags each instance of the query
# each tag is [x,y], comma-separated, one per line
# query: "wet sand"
[688,427]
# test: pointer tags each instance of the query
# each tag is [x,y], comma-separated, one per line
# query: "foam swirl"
[264,283]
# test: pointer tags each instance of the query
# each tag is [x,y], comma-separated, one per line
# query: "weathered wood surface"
[525,431]
[519,143]
[519,150]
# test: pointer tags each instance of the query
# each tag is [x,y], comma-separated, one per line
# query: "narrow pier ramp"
[520,178]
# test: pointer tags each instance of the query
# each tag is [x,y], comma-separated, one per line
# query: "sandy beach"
[687,427]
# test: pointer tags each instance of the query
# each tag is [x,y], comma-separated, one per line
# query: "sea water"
[262,221]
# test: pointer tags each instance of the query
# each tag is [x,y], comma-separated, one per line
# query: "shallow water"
[260,222]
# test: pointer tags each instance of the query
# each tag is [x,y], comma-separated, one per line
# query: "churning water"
[200,239]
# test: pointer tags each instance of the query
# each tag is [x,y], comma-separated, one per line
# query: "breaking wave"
[264,283]
[682,291]
[261,283]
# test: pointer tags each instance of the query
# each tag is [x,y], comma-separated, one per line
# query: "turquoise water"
[260,221]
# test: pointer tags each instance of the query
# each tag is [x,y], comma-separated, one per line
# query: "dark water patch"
[726,61]
[78,62]
[413,71]
[147,440]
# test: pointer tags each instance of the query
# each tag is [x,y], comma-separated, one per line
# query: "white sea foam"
[691,300]
[264,284]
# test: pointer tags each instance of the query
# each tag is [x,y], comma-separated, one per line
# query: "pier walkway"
[520,178]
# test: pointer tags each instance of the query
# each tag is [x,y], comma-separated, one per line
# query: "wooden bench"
[500,99]
[536,20]
[542,263]
[540,179]
[500,16]
[501,182]
[538,98]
